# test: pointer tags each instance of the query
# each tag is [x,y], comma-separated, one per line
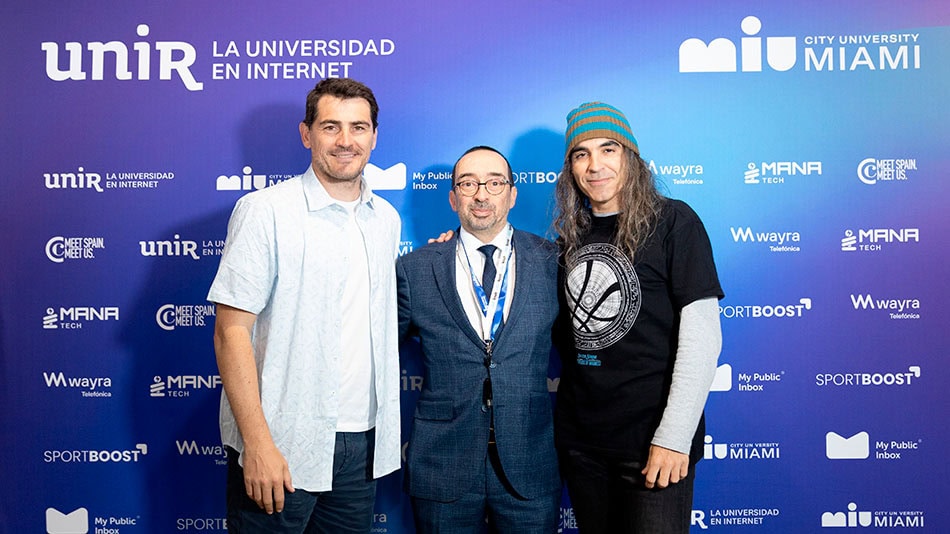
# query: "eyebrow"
[340,123]
[609,142]
[490,175]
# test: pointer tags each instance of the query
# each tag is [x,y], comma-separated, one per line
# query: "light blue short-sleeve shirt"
[284,261]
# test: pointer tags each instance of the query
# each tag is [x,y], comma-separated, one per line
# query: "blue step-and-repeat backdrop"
[813,138]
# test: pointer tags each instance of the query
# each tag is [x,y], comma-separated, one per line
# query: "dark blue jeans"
[346,508]
[609,496]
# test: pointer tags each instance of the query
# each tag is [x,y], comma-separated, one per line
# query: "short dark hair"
[342,88]
[455,167]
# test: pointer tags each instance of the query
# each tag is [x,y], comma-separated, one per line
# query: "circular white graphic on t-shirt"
[603,295]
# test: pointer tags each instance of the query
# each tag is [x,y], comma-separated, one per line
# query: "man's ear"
[453,201]
[305,134]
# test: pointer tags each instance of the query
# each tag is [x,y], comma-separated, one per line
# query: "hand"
[665,467]
[266,476]
[443,237]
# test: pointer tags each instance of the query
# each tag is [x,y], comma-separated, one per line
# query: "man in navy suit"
[483,305]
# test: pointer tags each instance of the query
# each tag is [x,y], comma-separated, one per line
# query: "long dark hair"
[640,204]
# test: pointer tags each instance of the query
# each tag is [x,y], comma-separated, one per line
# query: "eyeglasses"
[470,187]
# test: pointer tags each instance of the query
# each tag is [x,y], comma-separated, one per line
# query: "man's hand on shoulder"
[443,237]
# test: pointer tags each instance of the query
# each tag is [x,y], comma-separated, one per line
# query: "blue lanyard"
[498,296]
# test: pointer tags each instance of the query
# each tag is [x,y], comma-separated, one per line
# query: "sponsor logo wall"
[812,139]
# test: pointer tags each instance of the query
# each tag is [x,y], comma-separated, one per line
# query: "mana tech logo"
[74,317]
[775,172]
[182,385]
[875,239]
[822,53]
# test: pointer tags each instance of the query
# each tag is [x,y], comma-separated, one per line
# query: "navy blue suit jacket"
[449,435]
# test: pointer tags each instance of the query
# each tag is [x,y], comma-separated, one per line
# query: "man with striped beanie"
[639,298]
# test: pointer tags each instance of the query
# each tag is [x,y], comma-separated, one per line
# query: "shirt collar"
[472,243]
[318,198]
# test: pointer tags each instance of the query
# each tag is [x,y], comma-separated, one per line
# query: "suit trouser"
[490,498]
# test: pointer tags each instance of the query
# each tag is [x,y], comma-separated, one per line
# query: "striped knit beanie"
[596,119]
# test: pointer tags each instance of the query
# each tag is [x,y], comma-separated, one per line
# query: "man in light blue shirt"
[305,334]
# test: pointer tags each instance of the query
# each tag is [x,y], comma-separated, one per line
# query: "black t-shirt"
[625,323]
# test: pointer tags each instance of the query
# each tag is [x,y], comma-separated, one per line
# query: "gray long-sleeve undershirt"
[697,354]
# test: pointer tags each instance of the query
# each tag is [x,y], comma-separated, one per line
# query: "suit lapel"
[524,258]
[444,273]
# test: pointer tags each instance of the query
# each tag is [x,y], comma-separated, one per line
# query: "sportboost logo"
[854,517]
[172,316]
[168,57]
[740,451]
[201,523]
[861,379]
[393,178]
[60,249]
[872,170]
[775,172]
[866,52]
[533,177]
[182,385]
[874,239]
[96,456]
[766,312]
